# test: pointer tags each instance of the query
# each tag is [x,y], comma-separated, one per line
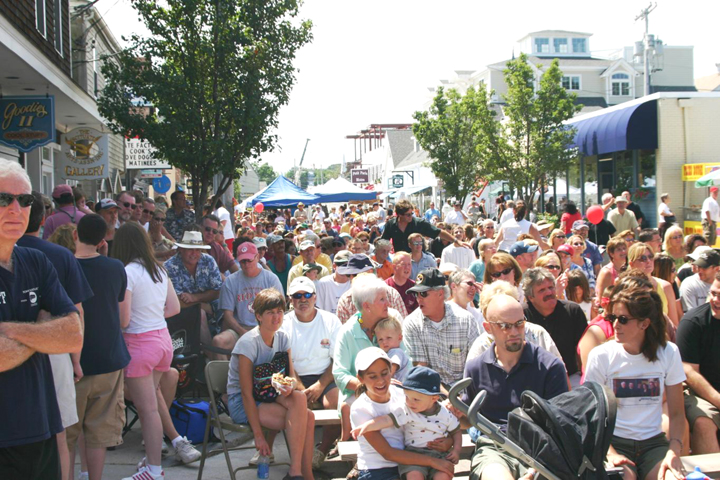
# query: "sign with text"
[693,171]
[28,121]
[155,173]
[359,175]
[140,154]
[84,154]
[397,181]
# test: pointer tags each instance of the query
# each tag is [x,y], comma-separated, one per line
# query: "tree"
[217,72]
[266,173]
[534,144]
[458,132]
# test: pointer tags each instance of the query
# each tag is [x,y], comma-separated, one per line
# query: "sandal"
[354,473]
[288,477]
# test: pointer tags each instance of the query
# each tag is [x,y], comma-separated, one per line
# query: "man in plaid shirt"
[439,334]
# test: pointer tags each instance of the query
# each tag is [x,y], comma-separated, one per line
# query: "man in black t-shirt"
[399,228]
[564,321]
[104,354]
[36,318]
[698,338]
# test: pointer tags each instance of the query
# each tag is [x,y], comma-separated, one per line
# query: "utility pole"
[648,43]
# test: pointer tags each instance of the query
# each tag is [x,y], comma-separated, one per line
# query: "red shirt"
[408,298]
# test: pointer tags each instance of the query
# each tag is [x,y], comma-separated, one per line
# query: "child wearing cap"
[422,419]
[388,333]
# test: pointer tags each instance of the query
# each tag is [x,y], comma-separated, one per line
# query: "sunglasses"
[622,319]
[506,327]
[24,199]
[560,236]
[676,237]
[501,273]
[147,212]
[643,258]
[417,243]
[298,296]
[490,227]
[130,205]
[245,262]
[552,267]
[215,232]
[421,294]
[159,219]
[469,283]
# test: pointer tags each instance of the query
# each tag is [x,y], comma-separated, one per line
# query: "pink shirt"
[62,215]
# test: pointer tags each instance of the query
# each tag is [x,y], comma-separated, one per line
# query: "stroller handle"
[490,430]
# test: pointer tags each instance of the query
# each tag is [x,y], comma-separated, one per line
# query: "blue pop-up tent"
[283,193]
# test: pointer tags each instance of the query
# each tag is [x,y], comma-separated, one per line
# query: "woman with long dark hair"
[640,365]
[149,299]
[570,216]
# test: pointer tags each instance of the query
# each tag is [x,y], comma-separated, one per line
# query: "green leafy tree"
[266,173]
[457,131]
[534,143]
[217,72]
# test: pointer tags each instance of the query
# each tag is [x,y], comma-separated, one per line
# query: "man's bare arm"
[229,323]
[699,384]
[49,335]
[13,354]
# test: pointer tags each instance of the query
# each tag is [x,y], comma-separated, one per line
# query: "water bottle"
[697,475]
[263,471]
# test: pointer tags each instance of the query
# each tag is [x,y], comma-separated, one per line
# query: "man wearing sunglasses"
[564,321]
[505,370]
[312,334]
[438,334]
[126,207]
[36,318]
[214,238]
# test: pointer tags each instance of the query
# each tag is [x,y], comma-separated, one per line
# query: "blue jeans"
[387,473]
[237,409]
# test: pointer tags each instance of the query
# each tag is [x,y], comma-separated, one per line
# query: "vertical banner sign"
[84,155]
[28,121]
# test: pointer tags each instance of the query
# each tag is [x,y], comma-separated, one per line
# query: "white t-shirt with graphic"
[312,344]
[362,410]
[419,428]
[329,293]
[637,383]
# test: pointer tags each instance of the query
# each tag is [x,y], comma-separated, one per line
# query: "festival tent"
[282,193]
[340,190]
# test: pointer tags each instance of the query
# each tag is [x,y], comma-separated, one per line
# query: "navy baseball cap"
[422,380]
[428,279]
[521,247]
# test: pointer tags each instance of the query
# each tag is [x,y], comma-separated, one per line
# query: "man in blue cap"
[525,252]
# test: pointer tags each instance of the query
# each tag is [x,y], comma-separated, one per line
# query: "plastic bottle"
[697,475]
[263,470]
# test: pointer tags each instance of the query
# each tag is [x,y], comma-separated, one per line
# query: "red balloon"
[595,214]
[259,207]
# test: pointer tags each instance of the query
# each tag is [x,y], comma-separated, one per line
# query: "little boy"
[422,420]
[388,333]
[312,270]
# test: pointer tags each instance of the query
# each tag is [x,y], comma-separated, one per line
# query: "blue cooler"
[190,417]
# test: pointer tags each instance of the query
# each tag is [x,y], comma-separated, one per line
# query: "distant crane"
[299,168]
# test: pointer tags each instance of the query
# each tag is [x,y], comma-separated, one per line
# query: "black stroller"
[566,437]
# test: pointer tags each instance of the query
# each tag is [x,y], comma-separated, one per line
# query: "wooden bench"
[326,417]
[348,450]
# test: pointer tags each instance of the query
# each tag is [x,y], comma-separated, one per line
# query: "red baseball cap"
[246,251]
[566,249]
[713,189]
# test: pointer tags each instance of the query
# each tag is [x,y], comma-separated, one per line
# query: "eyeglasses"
[552,267]
[148,212]
[298,296]
[506,327]
[245,262]
[419,242]
[490,227]
[501,273]
[622,319]
[159,219]
[24,199]
[643,258]
[130,205]
[215,232]
[560,236]
[422,294]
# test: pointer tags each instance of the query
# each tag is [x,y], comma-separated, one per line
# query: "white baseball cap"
[368,356]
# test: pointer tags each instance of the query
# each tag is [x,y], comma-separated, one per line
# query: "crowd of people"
[373,311]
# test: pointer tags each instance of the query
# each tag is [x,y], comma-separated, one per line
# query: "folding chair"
[216,376]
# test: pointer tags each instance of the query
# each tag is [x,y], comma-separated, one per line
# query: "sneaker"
[318,459]
[185,452]
[142,464]
[145,474]
[83,476]
[254,460]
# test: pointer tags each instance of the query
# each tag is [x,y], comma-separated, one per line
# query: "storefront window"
[645,193]
[591,182]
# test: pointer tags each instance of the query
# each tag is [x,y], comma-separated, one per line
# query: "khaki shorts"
[696,407]
[101,410]
[487,453]
[427,472]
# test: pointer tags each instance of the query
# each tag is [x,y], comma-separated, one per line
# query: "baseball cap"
[357,263]
[620,198]
[698,251]
[104,204]
[428,279]
[246,251]
[713,189]
[311,266]
[708,258]
[345,235]
[273,239]
[342,257]
[306,244]
[565,248]
[62,189]
[457,202]
[260,242]
[521,247]
[578,224]
[422,380]
[301,284]
[368,356]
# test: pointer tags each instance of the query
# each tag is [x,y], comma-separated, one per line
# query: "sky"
[372,61]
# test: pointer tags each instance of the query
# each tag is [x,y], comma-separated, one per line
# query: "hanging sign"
[84,155]
[28,121]
[140,154]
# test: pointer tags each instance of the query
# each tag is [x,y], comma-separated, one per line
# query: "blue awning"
[617,128]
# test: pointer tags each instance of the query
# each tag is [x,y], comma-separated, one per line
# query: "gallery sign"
[84,154]
[140,154]
[28,121]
